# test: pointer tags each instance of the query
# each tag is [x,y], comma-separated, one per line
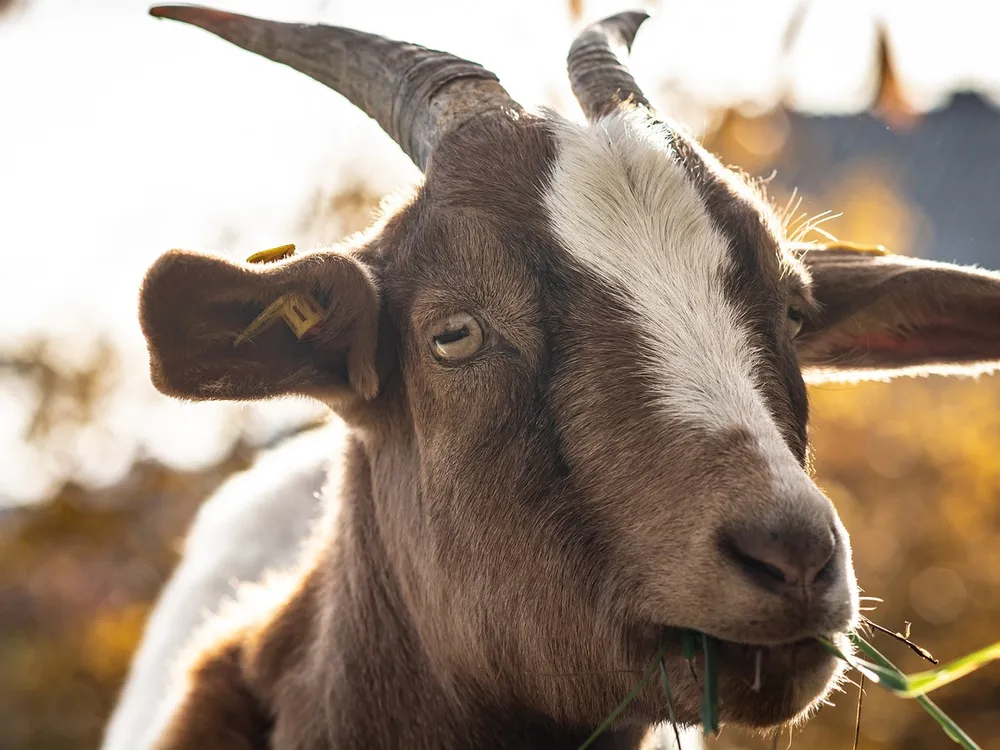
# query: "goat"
[572,370]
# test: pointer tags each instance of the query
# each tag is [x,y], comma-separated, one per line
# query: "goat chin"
[793,680]
[273,503]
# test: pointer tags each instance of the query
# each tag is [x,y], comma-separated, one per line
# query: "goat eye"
[793,321]
[456,337]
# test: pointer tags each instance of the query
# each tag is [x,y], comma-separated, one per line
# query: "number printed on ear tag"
[302,313]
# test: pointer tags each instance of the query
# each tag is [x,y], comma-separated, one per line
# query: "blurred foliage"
[79,573]
[331,215]
[78,576]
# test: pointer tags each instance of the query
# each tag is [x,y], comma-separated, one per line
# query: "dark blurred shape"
[940,168]
[920,183]
[10,6]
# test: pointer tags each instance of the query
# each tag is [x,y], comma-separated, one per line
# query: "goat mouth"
[736,648]
[801,652]
[764,685]
[779,647]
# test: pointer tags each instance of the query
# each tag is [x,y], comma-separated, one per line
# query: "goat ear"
[194,307]
[883,315]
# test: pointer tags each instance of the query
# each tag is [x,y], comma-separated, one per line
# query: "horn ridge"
[600,81]
[417,109]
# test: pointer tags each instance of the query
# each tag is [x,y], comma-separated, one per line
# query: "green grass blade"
[921,683]
[687,644]
[953,730]
[877,674]
[710,694]
[670,703]
[950,728]
[646,676]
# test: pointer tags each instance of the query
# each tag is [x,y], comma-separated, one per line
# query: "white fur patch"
[623,205]
[257,521]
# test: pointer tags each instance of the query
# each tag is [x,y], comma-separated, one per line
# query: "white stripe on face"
[623,206]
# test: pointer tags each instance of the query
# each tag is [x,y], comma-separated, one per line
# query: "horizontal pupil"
[452,336]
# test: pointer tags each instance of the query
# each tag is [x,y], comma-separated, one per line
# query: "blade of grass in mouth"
[916,684]
[883,672]
[710,694]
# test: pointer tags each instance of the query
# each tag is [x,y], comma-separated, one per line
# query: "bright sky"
[122,136]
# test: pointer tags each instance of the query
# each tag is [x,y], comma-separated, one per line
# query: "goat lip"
[791,655]
[777,644]
[769,645]
[767,685]
[769,648]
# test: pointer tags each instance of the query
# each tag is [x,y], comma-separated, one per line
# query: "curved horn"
[416,94]
[599,79]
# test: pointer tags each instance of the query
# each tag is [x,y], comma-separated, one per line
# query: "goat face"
[573,362]
[608,420]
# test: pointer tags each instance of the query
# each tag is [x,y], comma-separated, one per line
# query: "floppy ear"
[883,315]
[193,308]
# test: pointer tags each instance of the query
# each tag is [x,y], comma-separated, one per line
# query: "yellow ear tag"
[271,254]
[300,310]
[859,248]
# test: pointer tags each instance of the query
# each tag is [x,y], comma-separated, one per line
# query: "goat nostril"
[786,558]
[759,568]
[828,572]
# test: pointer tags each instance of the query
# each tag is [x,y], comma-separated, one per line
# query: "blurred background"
[121,137]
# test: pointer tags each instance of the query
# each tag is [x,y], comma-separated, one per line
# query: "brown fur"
[517,533]
[236,720]
[885,312]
